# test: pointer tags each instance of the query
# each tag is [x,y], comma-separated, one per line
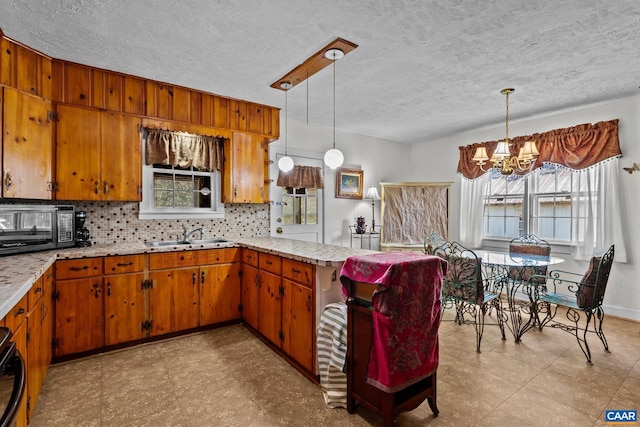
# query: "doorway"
[297,213]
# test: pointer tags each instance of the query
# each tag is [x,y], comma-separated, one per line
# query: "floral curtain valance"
[301,177]
[577,147]
[184,149]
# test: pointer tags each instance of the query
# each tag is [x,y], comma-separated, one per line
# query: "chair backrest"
[532,245]
[463,280]
[594,282]
[432,241]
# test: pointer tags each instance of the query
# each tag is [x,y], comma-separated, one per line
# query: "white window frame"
[527,222]
[149,211]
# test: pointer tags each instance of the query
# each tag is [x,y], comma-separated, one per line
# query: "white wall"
[623,291]
[437,160]
[381,160]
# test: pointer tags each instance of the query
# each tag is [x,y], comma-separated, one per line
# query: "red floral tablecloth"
[406,314]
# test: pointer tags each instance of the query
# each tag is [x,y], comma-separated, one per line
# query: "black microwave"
[31,228]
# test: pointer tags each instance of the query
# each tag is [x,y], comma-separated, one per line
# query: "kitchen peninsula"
[278,278]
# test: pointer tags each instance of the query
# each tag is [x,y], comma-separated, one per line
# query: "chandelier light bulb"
[333,158]
[285,164]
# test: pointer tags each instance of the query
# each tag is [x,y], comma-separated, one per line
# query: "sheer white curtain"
[595,217]
[471,210]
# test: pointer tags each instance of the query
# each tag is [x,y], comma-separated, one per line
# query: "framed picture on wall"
[349,183]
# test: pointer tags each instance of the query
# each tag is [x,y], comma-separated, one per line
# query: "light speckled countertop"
[19,272]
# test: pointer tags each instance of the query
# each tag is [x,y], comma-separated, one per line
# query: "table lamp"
[372,194]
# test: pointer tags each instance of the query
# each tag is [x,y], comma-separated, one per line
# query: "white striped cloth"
[332,354]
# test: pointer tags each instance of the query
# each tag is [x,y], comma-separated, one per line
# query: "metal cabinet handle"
[235,190]
[295,270]
[20,311]
[124,264]
[97,189]
[108,288]
[194,278]
[8,182]
[106,187]
[202,277]
[84,267]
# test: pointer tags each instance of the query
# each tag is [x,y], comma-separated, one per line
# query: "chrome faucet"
[186,234]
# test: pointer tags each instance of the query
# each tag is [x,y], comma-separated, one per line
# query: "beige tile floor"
[228,377]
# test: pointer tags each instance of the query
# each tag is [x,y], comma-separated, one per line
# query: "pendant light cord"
[334,103]
[286,122]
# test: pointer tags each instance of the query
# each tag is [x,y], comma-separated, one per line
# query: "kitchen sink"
[162,243]
[208,241]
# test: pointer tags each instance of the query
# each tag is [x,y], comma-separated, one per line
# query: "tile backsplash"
[117,222]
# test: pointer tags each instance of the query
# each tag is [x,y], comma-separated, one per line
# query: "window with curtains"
[181,175]
[570,194]
[538,203]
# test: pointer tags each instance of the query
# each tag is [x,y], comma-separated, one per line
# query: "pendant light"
[285,164]
[334,157]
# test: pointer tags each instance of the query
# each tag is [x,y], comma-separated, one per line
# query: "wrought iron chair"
[584,298]
[464,289]
[529,244]
[432,241]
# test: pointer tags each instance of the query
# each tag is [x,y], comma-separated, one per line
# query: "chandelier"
[501,158]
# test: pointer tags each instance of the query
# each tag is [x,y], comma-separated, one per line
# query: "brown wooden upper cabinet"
[98,155]
[24,69]
[27,159]
[243,178]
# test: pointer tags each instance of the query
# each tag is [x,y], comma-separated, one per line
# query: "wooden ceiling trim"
[313,64]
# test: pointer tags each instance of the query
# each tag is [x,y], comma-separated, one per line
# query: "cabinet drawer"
[35,293]
[18,313]
[77,268]
[123,264]
[172,260]
[297,271]
[218,256]
[250,257]
[270,263]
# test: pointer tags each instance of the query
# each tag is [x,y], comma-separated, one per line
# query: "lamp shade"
[529,151]
[480,155]
[372,193]
[333,158]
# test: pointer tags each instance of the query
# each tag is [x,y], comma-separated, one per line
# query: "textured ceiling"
[423,69]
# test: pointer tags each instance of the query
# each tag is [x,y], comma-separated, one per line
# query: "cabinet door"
[297,322]
[121,161]
[250,295]
[20,338]
[79,323]
[47,321]
[173,300]
[27,162]
[270,312]
[78,153]
[34,361]
[123,308]
[220,293]
[243,180]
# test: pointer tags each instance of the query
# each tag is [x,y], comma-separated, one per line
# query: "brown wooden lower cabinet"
[298,322]
[79,324]
[220,293]
[124,311]
[250,295]
[278,301]
[173,300]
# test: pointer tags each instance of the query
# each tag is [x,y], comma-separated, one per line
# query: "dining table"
[509,273]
